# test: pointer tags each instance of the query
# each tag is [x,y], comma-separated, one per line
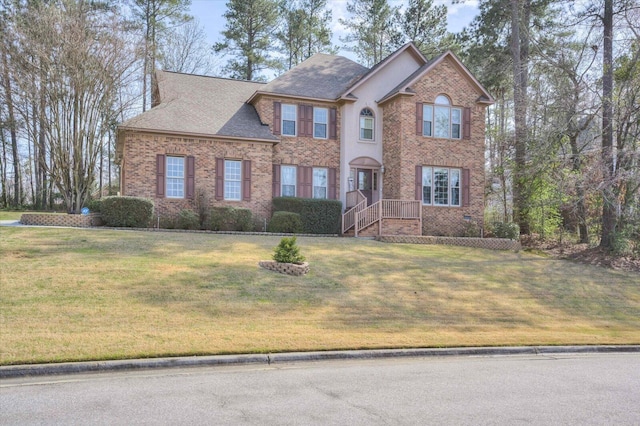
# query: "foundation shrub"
[506,230]
[230,219]
[188,219]
[286,222]
[318,216]
[127,212]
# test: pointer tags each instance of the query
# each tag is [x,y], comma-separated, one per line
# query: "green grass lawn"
[73,294]
[10,215]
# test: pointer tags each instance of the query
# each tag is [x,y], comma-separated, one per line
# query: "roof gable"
[405,86]
[408,48]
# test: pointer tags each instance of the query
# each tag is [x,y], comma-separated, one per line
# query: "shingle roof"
[194,104]
[321,76]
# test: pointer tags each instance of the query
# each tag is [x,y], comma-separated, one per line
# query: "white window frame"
[233,180]
[317,183]
[367,119]
[443,120]
[453,186]
[283,172]
[289,113]
[317,121]
[175,177]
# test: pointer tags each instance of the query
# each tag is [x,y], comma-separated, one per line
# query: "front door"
[365,184]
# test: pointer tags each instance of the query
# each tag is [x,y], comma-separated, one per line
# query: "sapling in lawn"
[288,251]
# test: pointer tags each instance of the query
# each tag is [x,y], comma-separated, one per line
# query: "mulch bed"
[582,253]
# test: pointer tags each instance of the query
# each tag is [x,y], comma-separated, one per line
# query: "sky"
[209,14]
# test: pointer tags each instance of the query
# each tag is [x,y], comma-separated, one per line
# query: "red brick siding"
[140,150]
[403,149]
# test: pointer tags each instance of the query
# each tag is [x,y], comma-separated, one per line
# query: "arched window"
[445,120]
[366,124]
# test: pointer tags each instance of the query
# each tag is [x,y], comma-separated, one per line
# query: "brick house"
[400,144]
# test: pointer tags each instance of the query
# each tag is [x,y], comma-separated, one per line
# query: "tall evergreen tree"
[155,17]
[305,31]
[249,37]
[374,31]
[426,25]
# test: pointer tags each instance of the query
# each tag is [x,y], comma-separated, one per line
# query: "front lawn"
[74,294]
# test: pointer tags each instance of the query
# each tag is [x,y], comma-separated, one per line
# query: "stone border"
[62,219]
[285,268]
[485,243]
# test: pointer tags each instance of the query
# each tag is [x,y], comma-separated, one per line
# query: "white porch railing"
[386,209]
[357,201]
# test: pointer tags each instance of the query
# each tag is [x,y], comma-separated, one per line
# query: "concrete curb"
[13,371]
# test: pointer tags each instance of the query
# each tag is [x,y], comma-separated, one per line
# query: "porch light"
[382,169]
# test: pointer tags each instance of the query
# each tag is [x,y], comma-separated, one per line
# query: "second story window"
[289,120]
[366,124]
[441,120]
[320,121]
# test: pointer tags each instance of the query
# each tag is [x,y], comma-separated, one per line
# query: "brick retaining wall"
[61,219]
[486,243]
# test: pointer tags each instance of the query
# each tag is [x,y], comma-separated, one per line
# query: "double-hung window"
[288,181]
[441,120]
[320,122]
[366,124]
[289,118]
[233,180]
[320,183]
[175,177]
[441,186]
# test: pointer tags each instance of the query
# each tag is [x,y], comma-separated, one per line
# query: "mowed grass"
[10,214]
[72,294]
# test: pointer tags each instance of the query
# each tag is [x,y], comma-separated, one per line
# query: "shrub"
[471,229]
[318,216]
[231,219]
[188,219]
[132,212]
[94,206]
[288,251]
[506,230]
[286,222]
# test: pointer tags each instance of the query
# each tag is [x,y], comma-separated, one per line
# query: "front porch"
[384,217]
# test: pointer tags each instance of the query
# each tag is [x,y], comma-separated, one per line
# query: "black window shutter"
[191,177]
[333,193]
[466,123]
[219,179]
[333,123]
[246,180]
[419,118]
[160,165]
[277,114]
[418,183]
[466,187]
[275,181]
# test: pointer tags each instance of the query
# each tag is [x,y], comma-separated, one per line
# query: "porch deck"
[384,217]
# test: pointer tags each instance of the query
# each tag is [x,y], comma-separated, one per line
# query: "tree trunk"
[17,196]
[519,53]
[608,168]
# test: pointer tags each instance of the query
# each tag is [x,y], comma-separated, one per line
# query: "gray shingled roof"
[321,76]
[203,105]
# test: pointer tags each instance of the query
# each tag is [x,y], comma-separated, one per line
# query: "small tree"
[288,251]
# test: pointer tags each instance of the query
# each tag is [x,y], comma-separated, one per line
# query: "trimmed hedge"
[188,219]
[506,230]
[318,216]
[231,219]
[129,212]
[286,222]
[94,206]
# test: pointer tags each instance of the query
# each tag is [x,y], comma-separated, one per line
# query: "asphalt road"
[578,389]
